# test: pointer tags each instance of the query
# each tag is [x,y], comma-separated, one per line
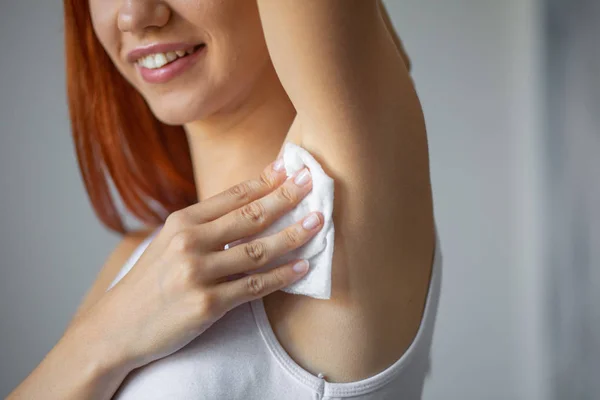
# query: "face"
[188,58]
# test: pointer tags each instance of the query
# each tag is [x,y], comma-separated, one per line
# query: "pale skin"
[350,102]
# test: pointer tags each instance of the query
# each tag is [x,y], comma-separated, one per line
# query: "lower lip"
[172,69]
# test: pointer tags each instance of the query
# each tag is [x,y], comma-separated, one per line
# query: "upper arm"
[358,114]
[110,269]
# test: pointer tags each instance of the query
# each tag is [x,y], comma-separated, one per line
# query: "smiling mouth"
[159,60]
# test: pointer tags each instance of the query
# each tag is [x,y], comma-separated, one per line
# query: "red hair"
[116,136]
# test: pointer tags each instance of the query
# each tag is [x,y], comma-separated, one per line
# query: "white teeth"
[149,62]
[159,60]
[171,56]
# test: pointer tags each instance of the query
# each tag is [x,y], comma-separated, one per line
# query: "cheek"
[239,45]
[104,23]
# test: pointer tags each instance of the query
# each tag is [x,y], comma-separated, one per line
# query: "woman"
[179,101]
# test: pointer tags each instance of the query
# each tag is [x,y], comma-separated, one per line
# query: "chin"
[174,110]
[176,116]
[190,101]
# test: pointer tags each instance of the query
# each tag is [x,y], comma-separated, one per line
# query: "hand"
[182,283]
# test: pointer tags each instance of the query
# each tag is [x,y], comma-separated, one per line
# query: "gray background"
[476,67]
[573,145]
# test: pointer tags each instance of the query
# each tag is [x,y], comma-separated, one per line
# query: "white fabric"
[240,358]
[319,249]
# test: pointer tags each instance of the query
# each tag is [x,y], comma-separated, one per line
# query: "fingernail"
[310,222]
[301,266]
[278,165]
[302,178]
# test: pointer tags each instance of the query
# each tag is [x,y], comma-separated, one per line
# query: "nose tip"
[137,16]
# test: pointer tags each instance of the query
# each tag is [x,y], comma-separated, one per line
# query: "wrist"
[99,357]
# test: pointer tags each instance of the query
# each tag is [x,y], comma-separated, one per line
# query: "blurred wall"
[477,71]
[474,68]
[574,144]
[51,245]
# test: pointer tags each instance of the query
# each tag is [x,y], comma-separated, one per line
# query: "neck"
[235,145]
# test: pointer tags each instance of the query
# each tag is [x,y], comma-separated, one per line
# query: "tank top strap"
[134,257]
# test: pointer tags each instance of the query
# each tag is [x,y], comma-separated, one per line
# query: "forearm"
[79,366]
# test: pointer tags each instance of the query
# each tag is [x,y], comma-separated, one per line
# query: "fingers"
[237,196]
[256,216]
[259,252]
[252,287]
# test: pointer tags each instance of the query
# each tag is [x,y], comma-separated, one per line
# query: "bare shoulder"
[113,264]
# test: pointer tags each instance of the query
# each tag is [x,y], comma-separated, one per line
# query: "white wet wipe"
[319,249]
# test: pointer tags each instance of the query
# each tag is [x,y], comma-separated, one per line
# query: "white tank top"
[239,357]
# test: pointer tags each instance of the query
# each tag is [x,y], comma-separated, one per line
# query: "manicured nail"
[301,267]
[278,165]
[302,178]
[310,222]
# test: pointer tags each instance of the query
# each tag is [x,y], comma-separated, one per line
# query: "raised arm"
[359,115]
